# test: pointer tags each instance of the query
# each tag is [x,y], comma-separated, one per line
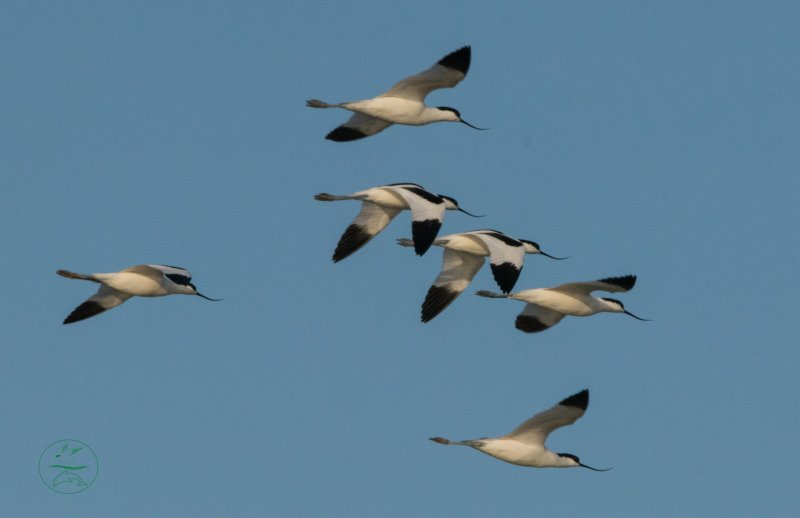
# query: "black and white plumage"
[547,306]
[464,255]
[379,205]
[404,103]
[525,445]
[144,280]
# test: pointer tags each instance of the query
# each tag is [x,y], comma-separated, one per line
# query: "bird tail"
[72,275]
[316,103]
[442,440]
[324,196]
[491,294]
[404,241]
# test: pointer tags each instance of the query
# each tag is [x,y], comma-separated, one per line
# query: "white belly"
[390,109]
[135,284]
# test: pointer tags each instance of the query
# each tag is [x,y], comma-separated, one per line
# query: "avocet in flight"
[525,445]
[404,103]
[379,205]
[463,257]
[144,280]
[547,306]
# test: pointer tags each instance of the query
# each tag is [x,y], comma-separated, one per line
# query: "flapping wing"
[566,412]
[105,299]
[535,318]
[446,73]
[458,269]
[506,256]
[610,284]
[368,223]
[427,214]
[357,127]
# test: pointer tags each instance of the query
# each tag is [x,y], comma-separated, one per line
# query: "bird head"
[572,461]
[532,247]
[615,306]
[452,204]
[453,115]
[195,292]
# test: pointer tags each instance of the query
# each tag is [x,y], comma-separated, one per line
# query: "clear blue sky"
[657,139]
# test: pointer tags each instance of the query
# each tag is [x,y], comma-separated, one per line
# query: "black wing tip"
[86,310]
[458,59]
[579,400]
[626,282]
[437,299]
[505,275]
[345,134]
[529,324]
[354,237]
[424,233]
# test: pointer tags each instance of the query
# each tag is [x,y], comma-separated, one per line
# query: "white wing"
[458,269]
[427,214]
[446,73]
[370,221]
[611,284]
[105,299]
[567,411]
[506,256]
[535,318]
[357,127]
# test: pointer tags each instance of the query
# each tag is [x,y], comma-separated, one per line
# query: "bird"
[463,257]
[525,445]
[547,306]
[404,103]
[144,280]
[379,205]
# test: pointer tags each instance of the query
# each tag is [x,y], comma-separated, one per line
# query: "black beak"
[207,298]
[553,257]
[637,318]
[471,126]
[470,214]
[593,469]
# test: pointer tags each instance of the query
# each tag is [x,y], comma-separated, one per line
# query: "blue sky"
[638,138]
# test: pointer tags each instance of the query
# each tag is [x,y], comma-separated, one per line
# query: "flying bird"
[144,280]
[404,103]
[525,445]
[547,306]
[379,205]
[463,257]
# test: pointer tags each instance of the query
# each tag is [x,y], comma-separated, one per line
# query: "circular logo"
[68,466]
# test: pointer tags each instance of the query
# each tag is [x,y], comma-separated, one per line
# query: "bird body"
[404,103]
[464,255]
[379,205]
[547,306]
[144,280]
[525,445]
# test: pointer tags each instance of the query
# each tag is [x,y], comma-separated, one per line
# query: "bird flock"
[463,256]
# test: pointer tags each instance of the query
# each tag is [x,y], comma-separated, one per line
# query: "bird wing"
[357,127]
[446,73]
[427,214]
[535,318]
[368,223]
[105,299]
[506,257]
[458,269]
[567,411]
[611,284]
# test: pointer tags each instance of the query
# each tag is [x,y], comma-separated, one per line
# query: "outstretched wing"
[567,411]
[610,284]
[535,318]
[357,127]
[105,299]
[368,223]
[446,73]
[458,269]
[506,256]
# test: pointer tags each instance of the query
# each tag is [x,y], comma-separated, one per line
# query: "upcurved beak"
[553,257]
[470,214]
[637,318]
[593,469]
[471,126]
[207,298]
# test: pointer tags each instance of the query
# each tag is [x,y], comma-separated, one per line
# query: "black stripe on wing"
[423,233]
[345,134]
[502,237]
[579,400]
[458,59]
[529,324]
[437,299]
[425,195]
[86,310]
[183,280]
[353,238]
[506,275]
[625,282]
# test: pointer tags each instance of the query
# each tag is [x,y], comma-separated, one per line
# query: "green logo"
[68,466]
